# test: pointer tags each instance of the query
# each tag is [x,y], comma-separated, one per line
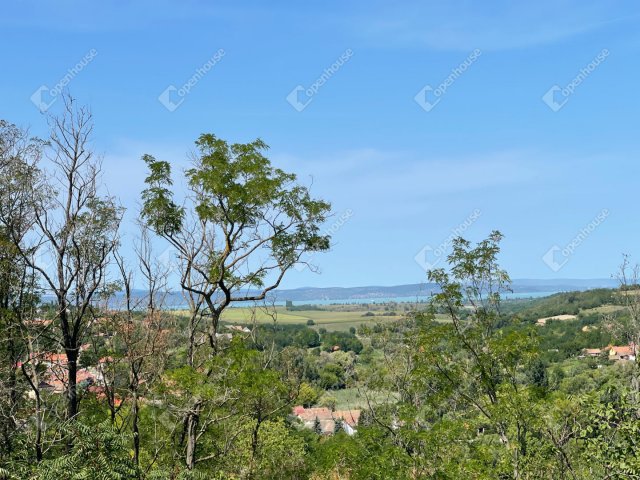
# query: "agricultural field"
[339,317]
[356,398]
[332,319]
[604,310]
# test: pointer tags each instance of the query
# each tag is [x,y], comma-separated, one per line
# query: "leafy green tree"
[244,209]
[480,358]
[243,226]
[307,395]
[537,375]
[307,338]
[610,432]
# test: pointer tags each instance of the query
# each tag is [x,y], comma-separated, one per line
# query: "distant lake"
[378,300]
[175,301]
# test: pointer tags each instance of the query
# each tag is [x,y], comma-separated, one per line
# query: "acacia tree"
[70,224]
[243,225]
[476,358]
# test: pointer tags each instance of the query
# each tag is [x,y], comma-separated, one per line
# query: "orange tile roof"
[322,414]
[592,351]
[624,350]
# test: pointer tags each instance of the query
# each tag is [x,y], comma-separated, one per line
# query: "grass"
[355,398]
[604,309]
[338,319]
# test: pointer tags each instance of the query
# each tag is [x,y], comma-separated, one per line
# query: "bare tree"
[71,225]
[144,333]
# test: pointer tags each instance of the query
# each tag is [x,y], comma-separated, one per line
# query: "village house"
[625,352]
[592,352]
[238,328]
[54,378]
[614,352]
[326,419]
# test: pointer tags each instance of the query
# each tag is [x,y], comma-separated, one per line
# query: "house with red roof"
[327,419]
[614,352]
[623,352]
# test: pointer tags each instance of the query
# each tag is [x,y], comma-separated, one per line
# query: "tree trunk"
[192,339]
[193,419]
[38,440]
[254,437]
[10,424]
[72,388]
[134,427]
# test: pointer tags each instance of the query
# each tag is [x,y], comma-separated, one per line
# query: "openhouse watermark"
[44,97]
[344,217]
[557,96]
[429,96]
[556,257]
[172,97]
[429,257]
[300,97]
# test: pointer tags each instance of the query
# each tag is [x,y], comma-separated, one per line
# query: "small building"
[592,352]
[55,377]
[327,419]
[238,328]
[613,352]
[624,352]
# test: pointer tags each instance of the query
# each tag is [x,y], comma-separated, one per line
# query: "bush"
[347,341]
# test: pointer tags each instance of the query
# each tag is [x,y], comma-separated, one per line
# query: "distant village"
[50,370]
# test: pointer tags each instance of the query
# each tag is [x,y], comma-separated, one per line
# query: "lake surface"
[372,301]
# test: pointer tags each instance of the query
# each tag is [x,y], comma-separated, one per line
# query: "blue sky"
[491,154]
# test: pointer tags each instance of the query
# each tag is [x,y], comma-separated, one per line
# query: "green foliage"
[236,185]
[99,452]
[308,395]
[159,209]
[611,432]
[568,303]
[303,308]
[346,341]
[283,335]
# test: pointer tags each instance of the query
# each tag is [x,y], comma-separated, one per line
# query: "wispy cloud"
[389,184]
[499,25]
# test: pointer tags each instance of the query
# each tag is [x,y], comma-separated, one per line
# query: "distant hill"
[426,289]
[409,291]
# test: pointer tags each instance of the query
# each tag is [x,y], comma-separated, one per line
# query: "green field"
[329,319]
[604,309]
[333,317]
[356,398]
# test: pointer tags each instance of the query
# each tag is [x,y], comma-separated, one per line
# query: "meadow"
[337,319]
